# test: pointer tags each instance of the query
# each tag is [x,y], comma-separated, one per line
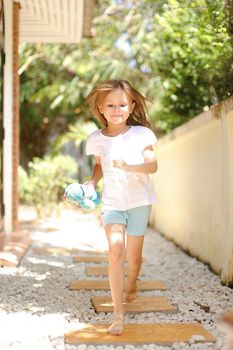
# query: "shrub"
[44,185]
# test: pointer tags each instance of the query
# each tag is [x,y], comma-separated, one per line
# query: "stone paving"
[37,307]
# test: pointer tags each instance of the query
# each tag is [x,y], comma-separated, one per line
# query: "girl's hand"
[90,183]
[148,167]
[66,201]
[120,164]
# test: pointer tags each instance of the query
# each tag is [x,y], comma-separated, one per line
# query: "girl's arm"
[97,172]
[149,166]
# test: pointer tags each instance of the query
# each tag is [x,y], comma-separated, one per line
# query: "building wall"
[193,183]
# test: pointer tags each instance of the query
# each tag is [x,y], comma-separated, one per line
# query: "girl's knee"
[112,229]
[134,260]
[117,252]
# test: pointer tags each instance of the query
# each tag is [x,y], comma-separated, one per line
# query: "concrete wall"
[194,184]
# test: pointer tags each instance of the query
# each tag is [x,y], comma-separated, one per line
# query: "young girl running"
[124,158]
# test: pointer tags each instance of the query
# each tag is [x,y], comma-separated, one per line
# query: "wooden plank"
[54,250]
[91,258]
[103,270]
[104,285]
[64,251]
[140,304]
[87,251]
[13,247]
[158,333]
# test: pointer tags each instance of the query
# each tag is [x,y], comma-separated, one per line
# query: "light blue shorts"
[135,219]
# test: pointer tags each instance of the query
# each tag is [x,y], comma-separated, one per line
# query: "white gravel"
[37,307]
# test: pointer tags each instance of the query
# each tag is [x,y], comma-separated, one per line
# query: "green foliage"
[44,185]
[24,183]
[44,112]
[188,48]
[178,53]
[76,133]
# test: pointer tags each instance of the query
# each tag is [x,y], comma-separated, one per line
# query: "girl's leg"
[116,240]
[134,257]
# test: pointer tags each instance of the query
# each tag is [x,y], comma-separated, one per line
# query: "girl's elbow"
[153,171]
[154,168]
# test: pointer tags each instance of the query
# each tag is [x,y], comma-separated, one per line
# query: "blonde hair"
[98,94]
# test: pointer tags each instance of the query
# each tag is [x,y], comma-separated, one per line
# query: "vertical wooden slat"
[16,126]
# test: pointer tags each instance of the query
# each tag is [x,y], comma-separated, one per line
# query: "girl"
[124,157]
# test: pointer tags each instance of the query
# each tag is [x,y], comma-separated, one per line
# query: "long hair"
[98,94]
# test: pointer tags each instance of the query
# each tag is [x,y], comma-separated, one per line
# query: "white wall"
[194,184]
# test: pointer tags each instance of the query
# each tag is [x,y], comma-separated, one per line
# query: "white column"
[8,116]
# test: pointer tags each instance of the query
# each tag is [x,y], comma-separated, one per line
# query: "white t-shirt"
[123,190]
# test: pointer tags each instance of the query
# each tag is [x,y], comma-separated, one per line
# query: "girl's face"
[116,107]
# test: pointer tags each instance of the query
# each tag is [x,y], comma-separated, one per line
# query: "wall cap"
[215,112]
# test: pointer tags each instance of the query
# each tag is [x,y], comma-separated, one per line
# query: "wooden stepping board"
[160,333]
[104,285]
[102,271]
[140,304]
[91,258]
[85,251]
[54,250]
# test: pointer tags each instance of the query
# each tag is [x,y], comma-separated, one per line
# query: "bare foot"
[117,326]
[131,292]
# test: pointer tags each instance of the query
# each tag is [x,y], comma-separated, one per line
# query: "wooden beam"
[13,247]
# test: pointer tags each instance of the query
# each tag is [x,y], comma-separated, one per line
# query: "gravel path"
[37,308]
